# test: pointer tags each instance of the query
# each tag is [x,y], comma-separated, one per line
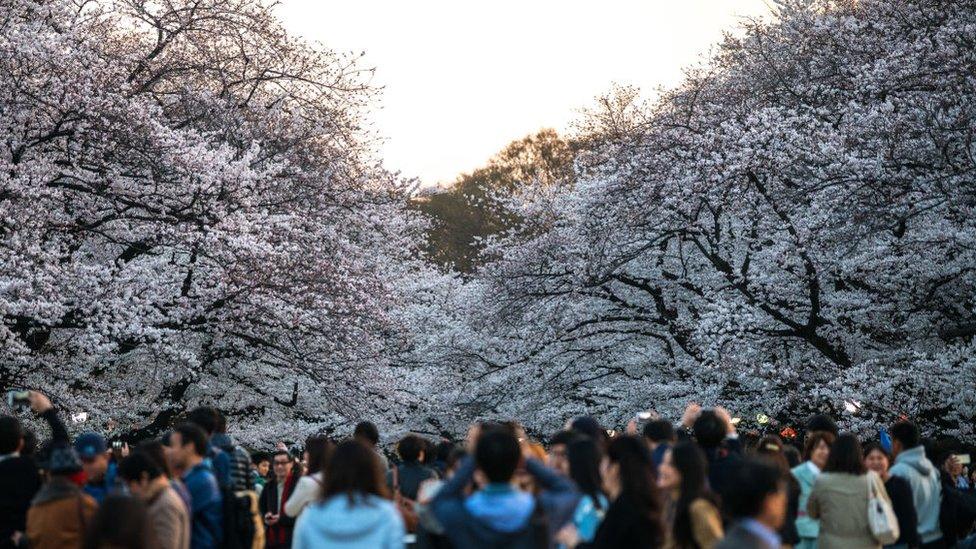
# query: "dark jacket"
[410,476]
[551,509]
[723,461]
[20,481]
[206,513]
[900,493]
[238,463]
[280,534]
[957,512]
[789,532]
[623,527]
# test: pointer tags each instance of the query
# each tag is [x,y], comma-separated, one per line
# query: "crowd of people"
[694,483]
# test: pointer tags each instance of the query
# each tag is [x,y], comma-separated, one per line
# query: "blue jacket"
[806,526]
[500,514]
[913,466]
[108,485]
[206,512]
[368,522]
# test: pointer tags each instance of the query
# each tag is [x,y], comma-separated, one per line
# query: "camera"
[18,399]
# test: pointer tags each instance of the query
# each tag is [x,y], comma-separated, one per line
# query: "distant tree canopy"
[468,211]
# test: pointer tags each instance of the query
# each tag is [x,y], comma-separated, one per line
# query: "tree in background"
[790,230]
[190,213]
[471,210]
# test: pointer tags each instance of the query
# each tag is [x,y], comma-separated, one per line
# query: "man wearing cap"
[99,468]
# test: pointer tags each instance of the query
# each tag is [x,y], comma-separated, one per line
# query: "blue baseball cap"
[90,445]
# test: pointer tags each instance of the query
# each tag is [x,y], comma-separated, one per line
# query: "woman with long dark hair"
[840,498]
[583,457]
[633,518]
[694,516]
[318,450]
[355,509]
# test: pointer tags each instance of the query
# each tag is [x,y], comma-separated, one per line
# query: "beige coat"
[840,501]
[169,520]
[706,525]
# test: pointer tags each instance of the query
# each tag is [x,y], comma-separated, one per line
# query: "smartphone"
[644,416]
[963,459]
[18,399]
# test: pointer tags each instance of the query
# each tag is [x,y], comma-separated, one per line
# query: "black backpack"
[240,524]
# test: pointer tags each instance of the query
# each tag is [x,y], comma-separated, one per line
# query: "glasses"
[282,463]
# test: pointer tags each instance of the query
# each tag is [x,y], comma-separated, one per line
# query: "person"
[318,451]
[816,451]
[367,433]
[840,497]
[189,445]
[583,463]
[260,468]
[442,454]
[354,511]
[279,525]
[61,510]
[822,423]
[500,514]
[715,434]
[958,510]
[19,476]
[100,468]
[220,462]
[755,500]
[154,450]
[659,436]
[169,519]
[771,448]
[238,460]
[407,477]
[122,522]
[558,451]
[693,517]
[962,481]
[430,532]
[878,460]
[634,517]
[912,465]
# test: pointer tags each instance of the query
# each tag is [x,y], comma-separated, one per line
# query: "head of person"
[188,445]
[262,463]
[904,436]
[443,450]
[282,463]
[793,455]
[412,449]
[657,432]
[877,459]
[627,468]
[206,417]
[11,435]
[141,474]
[453,461]
[318,450]
[757,490]
[816,448]
[583,458]
[589,426]
[355,471]
[709,429]
[62,461]
[770,447]
[154,450]
[822,423]
[684,471]
[367,432]
[497,455]
[94,454]
[559,451]
[122,522]
[846,456]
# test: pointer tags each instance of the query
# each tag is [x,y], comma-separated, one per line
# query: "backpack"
[243,528]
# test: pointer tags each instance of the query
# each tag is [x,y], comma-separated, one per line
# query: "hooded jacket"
[367,522]
[913,466]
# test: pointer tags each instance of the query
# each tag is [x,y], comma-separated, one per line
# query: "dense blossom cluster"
[790,229]
[190,211]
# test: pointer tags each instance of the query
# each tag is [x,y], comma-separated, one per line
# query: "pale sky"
[463,78]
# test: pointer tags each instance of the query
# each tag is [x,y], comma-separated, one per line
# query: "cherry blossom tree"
[789,230]
[191,212]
